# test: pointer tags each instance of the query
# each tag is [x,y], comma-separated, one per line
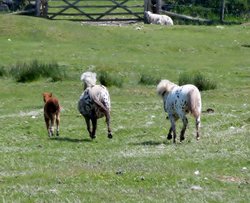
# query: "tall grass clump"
[108,79]
[148,80]
[197,79]
[2,71]
[28,72]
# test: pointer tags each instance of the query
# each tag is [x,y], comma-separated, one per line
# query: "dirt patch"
[246,24]
[110,23]
[32,114]
[231,179]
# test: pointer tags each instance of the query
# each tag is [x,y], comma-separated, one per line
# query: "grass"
[138,164]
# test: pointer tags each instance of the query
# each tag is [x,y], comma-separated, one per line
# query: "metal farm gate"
[92,10]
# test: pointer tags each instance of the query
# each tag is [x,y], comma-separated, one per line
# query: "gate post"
[222,11]
[37,8]
[41,8]
[158,7]
[152,5]
[147,7]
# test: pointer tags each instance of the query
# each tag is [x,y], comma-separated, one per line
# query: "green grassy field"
[138,164]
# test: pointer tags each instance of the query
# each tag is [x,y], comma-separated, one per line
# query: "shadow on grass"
[150,143]
[67,139]
[165,142]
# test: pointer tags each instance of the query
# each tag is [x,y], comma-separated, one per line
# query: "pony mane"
[88,78]
[165,86]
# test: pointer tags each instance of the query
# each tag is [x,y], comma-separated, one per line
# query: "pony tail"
[195,102]
[89,79]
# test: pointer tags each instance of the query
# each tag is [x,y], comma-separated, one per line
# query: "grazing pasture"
[139,164]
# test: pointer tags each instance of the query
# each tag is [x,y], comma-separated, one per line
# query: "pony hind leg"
[104,108]
[52,123]
[183,130]
[110,136]
[47,122]
[170,134]
[87,120]
[57,123]
[197,125]
[94,125]
[172,120]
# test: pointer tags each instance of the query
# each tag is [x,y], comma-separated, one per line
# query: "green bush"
[2,71]
[197,79]
[23,72]
[108,79]
[148,80]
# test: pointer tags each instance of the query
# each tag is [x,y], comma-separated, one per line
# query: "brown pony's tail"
[195,102]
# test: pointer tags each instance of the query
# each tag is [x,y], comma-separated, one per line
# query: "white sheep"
[158,19]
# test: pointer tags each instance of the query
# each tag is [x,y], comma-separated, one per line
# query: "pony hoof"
[182,138]
[169,137]
[92,137]
[110,136]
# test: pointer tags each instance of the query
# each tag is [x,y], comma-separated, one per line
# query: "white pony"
[178,101]
[158,19]
[94,103]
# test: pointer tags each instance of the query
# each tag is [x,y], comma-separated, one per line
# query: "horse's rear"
[101,98]
[94,104]
[51,113]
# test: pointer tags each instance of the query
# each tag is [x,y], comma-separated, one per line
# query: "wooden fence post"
[222,11]
[41,8]
[45,8]
[158,6]
[147,5]
[37,8]
[146,8]
[152,5]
